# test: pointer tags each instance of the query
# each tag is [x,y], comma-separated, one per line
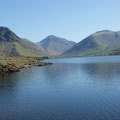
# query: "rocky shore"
[11,68]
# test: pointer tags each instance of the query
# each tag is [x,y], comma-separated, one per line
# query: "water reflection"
[7,81]
[62,73]
[102,71]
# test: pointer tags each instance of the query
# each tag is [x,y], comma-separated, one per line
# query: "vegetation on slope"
[12,45]
[98,44]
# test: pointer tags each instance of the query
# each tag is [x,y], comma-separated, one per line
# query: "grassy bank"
[18,61]
[13,64]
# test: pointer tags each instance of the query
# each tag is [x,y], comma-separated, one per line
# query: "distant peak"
[51,36]
[104,31]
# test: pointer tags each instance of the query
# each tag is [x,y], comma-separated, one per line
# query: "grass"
[23,52]
[18,61]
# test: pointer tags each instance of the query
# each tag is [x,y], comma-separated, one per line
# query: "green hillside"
[98,44]
[12,45]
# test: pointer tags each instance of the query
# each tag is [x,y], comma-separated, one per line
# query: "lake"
[86,88]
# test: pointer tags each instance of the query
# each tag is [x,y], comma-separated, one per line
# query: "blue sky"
[70,19]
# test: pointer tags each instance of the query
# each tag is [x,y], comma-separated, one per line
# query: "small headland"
[15,64]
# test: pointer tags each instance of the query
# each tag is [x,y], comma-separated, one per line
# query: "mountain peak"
[103,42]
[104,31]
[52,36]
[55,45]
[4,28]
[7,35]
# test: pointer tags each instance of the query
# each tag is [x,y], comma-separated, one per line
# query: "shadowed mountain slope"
[12,45]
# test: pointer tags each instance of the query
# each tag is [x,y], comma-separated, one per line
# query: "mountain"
[12,45]
[55,45]
[104,42]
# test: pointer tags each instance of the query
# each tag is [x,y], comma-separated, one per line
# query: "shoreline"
[10,68]
[11,65]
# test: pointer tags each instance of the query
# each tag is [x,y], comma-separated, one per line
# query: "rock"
[44,63]
[9,68]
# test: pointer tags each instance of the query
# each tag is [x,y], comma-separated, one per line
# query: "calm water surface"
[71,89]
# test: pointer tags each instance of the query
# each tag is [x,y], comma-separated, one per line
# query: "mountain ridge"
[12,45]
[100,43]
[104,42]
